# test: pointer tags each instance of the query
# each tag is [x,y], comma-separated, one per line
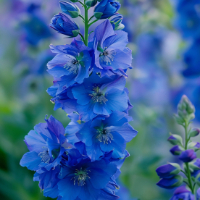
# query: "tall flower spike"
[83,161]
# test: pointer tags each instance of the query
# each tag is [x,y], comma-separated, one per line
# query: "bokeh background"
[165,39]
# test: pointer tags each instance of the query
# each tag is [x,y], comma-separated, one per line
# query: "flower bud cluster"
[173,174]
[82,161]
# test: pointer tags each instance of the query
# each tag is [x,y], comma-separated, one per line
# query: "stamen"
[98,96]
[104,136]
[107,56]
[44,155]
[81,176]
[72,65]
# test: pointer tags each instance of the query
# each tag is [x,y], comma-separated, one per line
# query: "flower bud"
[106,9]
[176,150]
[175,139]
[194,132]
[188,155]
[70,9]
[185,110]
[64,25]
[168,170]
[116,22]
[194,145]
[169,183]
[195,167]
[91,3]
[183,193]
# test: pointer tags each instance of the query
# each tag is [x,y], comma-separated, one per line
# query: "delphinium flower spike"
[83,160]
[186,175]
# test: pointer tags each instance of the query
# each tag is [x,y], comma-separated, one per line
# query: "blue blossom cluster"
[188,23]
[83,160]
[173,174]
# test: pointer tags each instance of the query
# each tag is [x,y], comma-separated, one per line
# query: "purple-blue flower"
[182,193]
[176,150]
[188,155]
[168,170]
[71,64]
[111,53]
[106,9]
[64,25]
[169,183]
[104,134]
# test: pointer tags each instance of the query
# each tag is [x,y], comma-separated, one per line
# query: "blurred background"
[165,39]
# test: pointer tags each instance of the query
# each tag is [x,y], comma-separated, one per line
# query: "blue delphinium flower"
[64,25]
[104,134]
[46,144]
[100,96]
[111,53]
[85,180]
[71,64]
[106,9]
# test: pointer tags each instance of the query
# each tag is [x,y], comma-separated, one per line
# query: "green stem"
[91,18]
[82,37]
[86,24]
[186,164]
[93,22]
[82,17]
[81,3]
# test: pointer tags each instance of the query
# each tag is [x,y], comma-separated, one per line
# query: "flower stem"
[186,164]
[86,24]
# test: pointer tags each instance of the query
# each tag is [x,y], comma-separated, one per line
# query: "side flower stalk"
[185,176]
[82,161]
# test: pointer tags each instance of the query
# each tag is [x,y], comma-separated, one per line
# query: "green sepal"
[98,15]
[178,139]
[180,181]
[177,170]
[74,14]
[90,3]
[76,32]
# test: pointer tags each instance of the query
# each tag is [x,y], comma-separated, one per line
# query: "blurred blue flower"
[169,183]
[70,9]
[192,59]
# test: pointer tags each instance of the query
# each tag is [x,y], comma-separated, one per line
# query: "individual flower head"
[183,193]
[46,144]
[169,183]
[188,155]
[106,9]
[111,53]
[71,64]
[168,170]
[70,9]
[176,150]
[62,98]
[86,180]
[64,25]
[100,96]
[195,165]
[105,134]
